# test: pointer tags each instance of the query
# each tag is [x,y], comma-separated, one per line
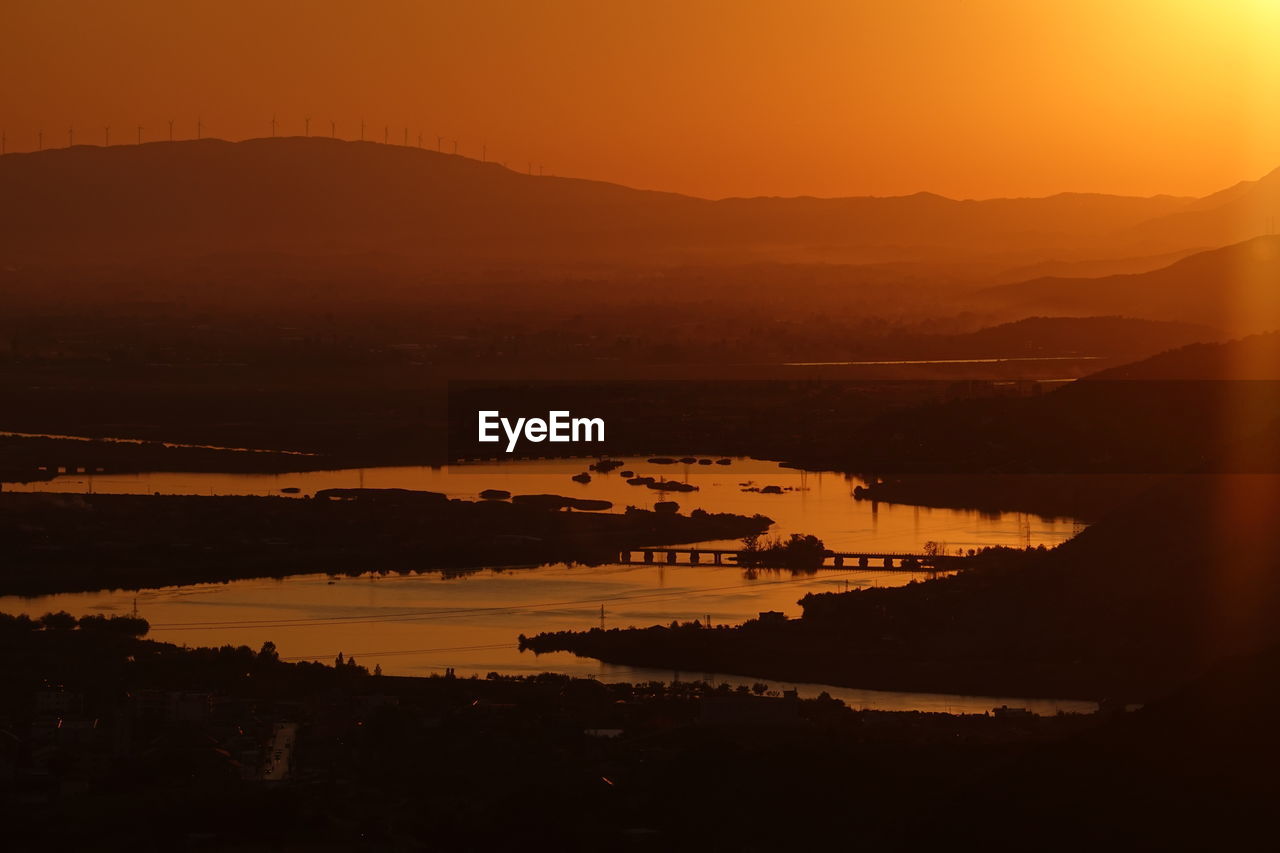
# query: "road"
[280,753]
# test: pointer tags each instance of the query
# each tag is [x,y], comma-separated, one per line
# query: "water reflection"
[421,624]
[808,502]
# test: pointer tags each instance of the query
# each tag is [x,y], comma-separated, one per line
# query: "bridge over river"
[898,562]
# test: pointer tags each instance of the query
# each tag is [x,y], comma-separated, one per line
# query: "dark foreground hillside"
[114,742]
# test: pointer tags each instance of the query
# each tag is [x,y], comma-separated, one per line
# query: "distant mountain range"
[1236,288]
[1097,337]
[313,196]
[1236,214]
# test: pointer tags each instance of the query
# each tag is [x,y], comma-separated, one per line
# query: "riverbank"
[67,543]
[154,740]
[141,742]
[791,652]
[1011,623]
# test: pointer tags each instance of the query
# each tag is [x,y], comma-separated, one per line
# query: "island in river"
[65,543]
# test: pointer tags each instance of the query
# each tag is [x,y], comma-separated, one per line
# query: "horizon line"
[503,165]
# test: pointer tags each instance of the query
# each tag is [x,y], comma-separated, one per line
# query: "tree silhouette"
[60,621]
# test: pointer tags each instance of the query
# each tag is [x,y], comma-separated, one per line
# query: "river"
[419,624]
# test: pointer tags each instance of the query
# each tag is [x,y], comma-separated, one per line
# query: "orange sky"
[822,97]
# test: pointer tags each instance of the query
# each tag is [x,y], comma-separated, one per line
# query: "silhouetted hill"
[1236,288]
[306,196]
[1187,573]
[1255,358]
[1185,410]
[1190,771]
[1232,215]
[1090,268]
[1101,337]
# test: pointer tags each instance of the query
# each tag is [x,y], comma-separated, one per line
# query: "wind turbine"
[333,128]
[106,137]
[199,127]
[170,130]
[419,140]
[39,140]
[386,133]
[455,146]
[362,130]
[139,134]
[306,126]
[71,137]
[439,143]
[273,125]
[484,152]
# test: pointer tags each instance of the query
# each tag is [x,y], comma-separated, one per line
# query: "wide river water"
[419,624]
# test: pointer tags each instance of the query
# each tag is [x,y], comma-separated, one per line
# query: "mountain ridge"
[304,195]
[1232,287]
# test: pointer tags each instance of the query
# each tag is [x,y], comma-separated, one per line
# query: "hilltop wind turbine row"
[275,132]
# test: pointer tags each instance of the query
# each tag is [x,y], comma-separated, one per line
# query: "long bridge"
[896,562]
